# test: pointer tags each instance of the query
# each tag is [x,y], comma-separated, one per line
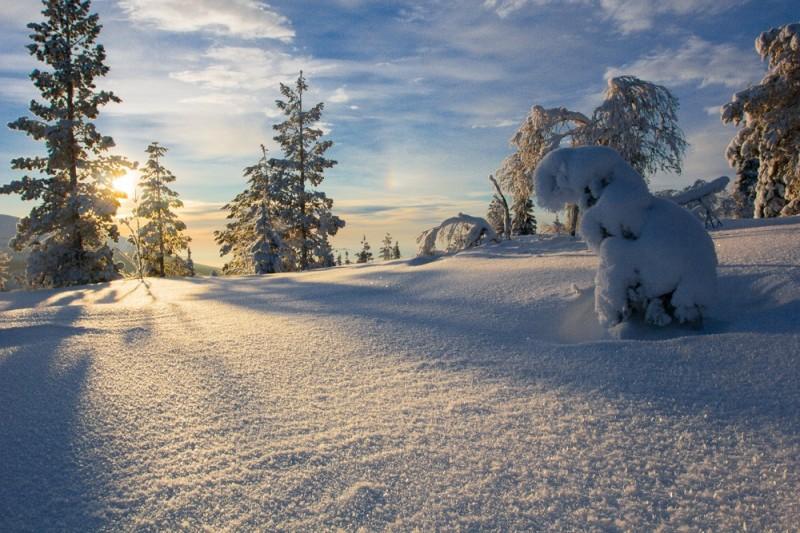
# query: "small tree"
[365,255]
[524,219]
[500,199]
[386,248]
[744,189]
[163,234]
[190,262]
[310,221]
[396,250]
[5,260]
[769,117]
[347,258]
[68,229]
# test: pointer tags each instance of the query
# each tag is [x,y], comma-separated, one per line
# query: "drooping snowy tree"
[252,235]
[68,230]
[162,236]
[365,255]
[499,200]
[386,248]
[744,189]
[636,118]
[310,222]
[769,117]
[396,250]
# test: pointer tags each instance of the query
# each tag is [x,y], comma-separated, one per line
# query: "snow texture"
[476,392]
[656,260]
[455,234]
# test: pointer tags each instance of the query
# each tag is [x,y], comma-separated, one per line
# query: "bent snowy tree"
[455,234]
[657,261]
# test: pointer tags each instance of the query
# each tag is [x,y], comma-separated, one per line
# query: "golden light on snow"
[127,183]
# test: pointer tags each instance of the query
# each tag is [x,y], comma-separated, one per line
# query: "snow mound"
[657,262]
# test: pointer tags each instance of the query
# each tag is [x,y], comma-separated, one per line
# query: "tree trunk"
[303,226]
[573,213]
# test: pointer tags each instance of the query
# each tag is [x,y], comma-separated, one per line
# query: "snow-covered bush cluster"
[706,199]
[656,259]
[455,234]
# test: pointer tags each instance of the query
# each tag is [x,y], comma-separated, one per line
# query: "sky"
[421,98]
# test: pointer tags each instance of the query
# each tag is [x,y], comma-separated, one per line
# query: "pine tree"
[252,236]
[396,250]
[339,259]
[347,258]
[190,262]
[365,255]
[311,222]
[5,260]
[769,117]
[386,248]
[744,189]
[67,232]
[163,234]
[524,220]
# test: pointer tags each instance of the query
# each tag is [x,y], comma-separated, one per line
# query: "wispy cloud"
[696,62]
[247,19]
[629,15]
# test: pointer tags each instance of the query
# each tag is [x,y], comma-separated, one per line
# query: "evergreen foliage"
[310,222]
[365,255]
[524,221]
[5,259]
[396,250]
[68,230]
[386,248]
[744,189]
[162,236]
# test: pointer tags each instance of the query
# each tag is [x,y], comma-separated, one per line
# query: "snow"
[476,391]
[455,234]
[656,260]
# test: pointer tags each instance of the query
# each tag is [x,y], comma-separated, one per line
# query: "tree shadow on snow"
[46,483]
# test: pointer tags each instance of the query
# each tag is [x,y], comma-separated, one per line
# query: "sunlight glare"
[127,183]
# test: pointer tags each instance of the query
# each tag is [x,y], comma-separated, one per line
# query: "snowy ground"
[471,392]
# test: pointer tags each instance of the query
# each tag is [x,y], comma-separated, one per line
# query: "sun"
[127,183]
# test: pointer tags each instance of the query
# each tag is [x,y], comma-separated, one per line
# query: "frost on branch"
[769,117]
[455,234]
[656,260]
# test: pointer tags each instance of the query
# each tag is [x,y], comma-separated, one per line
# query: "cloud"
[629,15]
[697,61]
[247,19]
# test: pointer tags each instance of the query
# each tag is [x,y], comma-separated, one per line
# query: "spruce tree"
[311,221]
[252,236]
[163,234]
[396,250]
[365,255]
[347,258]
[386,248]
[339,259]
[68,230]
[524,220]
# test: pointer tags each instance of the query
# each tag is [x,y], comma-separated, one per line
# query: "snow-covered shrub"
[455,234]
[708,200]
[656,259]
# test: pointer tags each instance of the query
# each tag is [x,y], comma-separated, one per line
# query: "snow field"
[476,391]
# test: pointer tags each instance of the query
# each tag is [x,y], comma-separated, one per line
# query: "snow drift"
[656,259]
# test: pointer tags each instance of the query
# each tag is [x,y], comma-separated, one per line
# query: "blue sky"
[421,97]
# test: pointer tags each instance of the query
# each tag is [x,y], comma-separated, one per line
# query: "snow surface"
[476,391]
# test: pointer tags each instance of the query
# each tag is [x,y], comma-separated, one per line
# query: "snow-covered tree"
[495,215]
[252,235]
[68,229]
[656,259]
[339,259]
[396,250]
[162,236]
[310,221]
[365,255]
[386,248]
[499,200]
[769,117]
[190,262]
[744,189]
[524,220]
[455,234]
[347,258]
[5,260]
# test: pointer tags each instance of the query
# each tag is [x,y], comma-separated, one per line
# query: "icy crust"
[455,234]
[656,259]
